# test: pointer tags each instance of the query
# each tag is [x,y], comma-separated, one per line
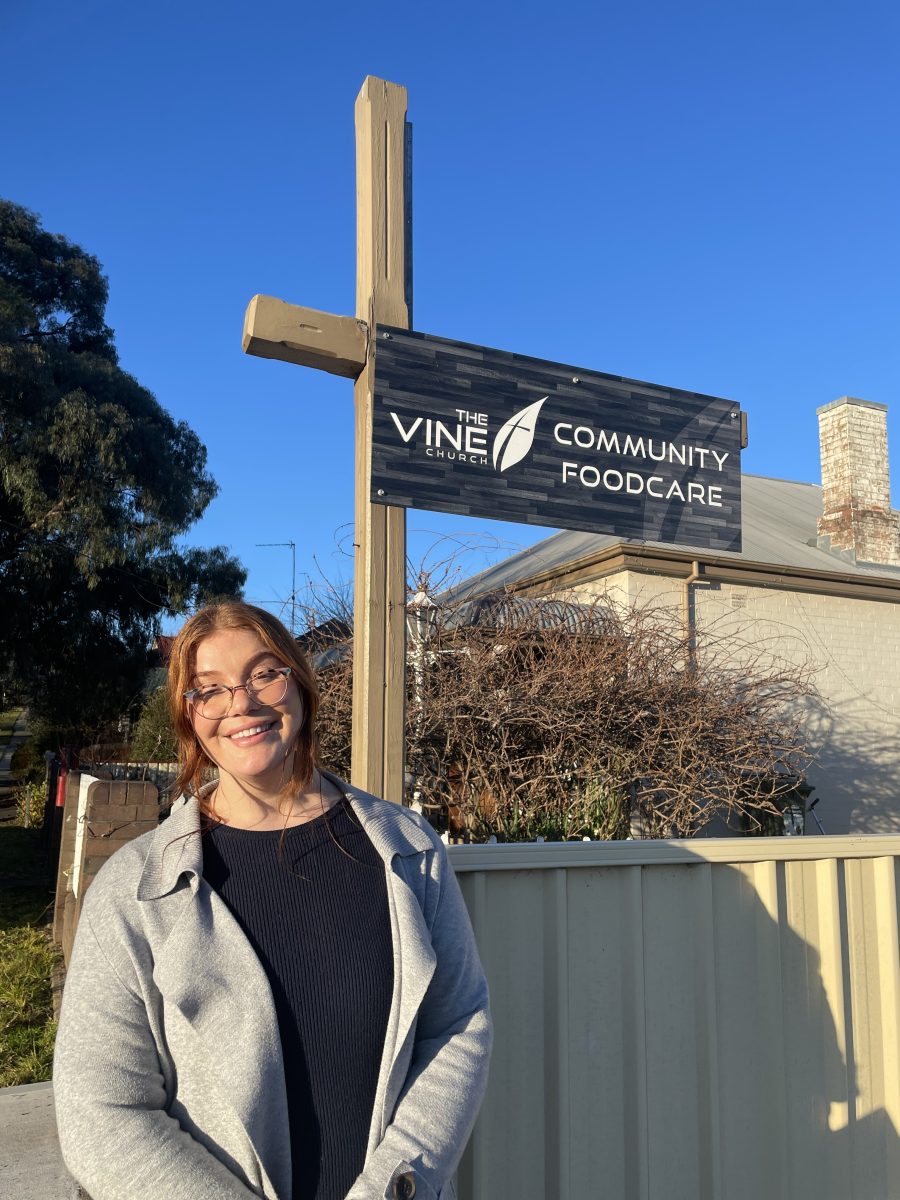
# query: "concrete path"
[17,737]
[31,1167]
[19,734]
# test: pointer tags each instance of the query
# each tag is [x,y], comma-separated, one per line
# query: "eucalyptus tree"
[97,484]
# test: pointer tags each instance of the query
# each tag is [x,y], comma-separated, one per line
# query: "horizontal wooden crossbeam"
[274,329]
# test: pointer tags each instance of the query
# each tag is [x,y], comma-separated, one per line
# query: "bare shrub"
[531,718]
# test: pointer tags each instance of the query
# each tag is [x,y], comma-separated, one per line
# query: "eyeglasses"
[264,687]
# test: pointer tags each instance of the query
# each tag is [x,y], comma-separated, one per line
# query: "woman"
[276,993]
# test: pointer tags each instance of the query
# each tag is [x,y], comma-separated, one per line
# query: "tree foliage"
[531,718]
[153,737]
[97,483]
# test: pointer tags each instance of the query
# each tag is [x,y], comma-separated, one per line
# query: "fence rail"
[161,774]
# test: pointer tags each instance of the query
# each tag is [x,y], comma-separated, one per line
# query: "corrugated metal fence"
[705,1020]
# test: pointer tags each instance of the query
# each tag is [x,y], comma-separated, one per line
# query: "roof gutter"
[661,560]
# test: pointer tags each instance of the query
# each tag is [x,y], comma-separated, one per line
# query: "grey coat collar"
[176,850]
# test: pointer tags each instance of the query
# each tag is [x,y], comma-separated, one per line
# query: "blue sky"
[701,195]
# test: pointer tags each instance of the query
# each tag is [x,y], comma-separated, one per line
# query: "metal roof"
[499,610]
[778,525]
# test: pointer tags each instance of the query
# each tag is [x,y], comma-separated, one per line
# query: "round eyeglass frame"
[246,686]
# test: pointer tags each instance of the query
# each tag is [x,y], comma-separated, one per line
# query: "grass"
[27,956]
[27,953]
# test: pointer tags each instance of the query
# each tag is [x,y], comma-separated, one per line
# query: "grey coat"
[168,1074]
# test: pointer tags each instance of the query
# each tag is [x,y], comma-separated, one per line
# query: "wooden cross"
[346,346]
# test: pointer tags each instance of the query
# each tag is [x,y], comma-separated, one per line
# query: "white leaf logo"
[514,440]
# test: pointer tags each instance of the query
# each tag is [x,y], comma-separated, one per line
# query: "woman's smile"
[251,734]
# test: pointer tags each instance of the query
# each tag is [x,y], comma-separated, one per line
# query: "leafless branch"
[543,718]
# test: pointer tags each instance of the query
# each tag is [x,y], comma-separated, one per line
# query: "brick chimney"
[857,519]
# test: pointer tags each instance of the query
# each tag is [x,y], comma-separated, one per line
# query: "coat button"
[404,1187]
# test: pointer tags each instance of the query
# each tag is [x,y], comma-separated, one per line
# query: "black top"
[312,901]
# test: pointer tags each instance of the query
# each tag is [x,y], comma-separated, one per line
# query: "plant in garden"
[30,800]
[153,738]
[531,718]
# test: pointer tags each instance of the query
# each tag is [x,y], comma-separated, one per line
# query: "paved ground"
[30,1164]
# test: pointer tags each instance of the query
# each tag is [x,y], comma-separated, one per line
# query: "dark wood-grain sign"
[485,433]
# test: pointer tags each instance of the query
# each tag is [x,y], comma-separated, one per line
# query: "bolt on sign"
[487,433]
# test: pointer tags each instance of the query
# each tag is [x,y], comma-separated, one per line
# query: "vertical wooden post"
[379,623]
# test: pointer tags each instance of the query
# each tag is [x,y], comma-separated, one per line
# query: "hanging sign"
[485,433]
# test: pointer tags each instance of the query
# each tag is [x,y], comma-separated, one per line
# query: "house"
[818,578]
